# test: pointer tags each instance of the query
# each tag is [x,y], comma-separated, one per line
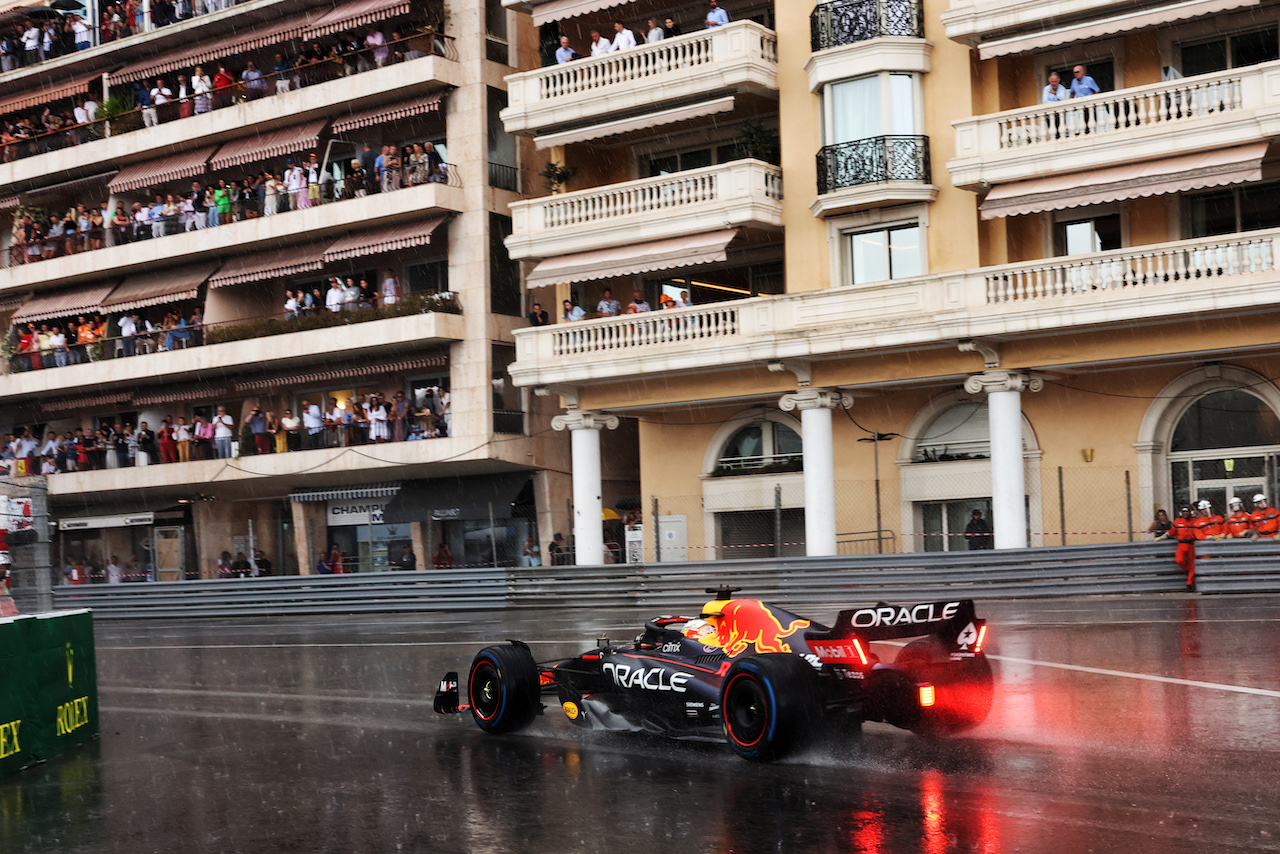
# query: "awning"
[199,53]
[356,14]
[389,113]
[455,498]
[360,244]
[1098,29]
[185,393]
[50,93]
[75,301]
[558,10]
[374,369]
[604,127]
[1155,177]
[81,523]
[274,264]
[7,202]
[149,173]
[687,251]
[350,493]
[85,402]
[264,146]
[156,288]
[90,181]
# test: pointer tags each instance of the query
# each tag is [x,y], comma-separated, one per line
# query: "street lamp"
[875,439]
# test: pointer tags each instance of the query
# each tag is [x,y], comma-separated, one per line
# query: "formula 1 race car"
[750,673]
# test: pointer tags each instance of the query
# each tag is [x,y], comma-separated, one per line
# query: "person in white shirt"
[31,44]
[336,416]
[91,109]
[83,33]
[313,424]
[623,38]
[182,436]
[599,44]
[608,306]
[80,113]
[160,95]
[293,184]
[48,466]
[716,17]
[656,33]
[222,433]
[390,289]
[128,328]
[334,299]
[50,446]
[572,312]
[202,88]
[115,572]
[290,306]
[58,343]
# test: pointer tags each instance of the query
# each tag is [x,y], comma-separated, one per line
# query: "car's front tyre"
[770,705]
[503,688]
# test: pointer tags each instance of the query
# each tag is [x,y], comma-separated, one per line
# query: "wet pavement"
[1128,725]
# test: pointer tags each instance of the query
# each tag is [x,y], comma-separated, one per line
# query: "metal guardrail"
[1223,567]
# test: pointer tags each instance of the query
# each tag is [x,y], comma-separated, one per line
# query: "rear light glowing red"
[862,656]
[982,636]
[926,696]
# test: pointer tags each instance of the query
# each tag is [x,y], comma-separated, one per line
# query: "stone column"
[815,405]
[588,506]
[1008,475]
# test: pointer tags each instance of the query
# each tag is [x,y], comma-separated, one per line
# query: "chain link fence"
[926,508]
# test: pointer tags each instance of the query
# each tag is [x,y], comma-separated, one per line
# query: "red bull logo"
[749,623]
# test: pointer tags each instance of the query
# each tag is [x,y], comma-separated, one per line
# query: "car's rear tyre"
[963,690]
[503,688]
[770,705]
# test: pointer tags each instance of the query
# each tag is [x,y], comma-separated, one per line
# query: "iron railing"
[873,160]
[504,177]
[850,21]
[508,422]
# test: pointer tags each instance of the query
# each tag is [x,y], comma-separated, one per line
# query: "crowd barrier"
[48,687]
[1223,567]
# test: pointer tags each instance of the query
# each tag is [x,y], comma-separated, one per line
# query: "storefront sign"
[357,511]
[124,521]
[444,514]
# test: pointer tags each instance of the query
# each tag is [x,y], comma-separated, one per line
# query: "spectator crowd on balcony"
[303,183]
[360,420]
[88,339]
[607,307]
[205,88]
[624,38]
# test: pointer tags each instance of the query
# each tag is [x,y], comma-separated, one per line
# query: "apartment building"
[341,81]
[944,292]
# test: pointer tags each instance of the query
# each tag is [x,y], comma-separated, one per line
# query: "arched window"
[1226,419]
[960,432]
[760,447]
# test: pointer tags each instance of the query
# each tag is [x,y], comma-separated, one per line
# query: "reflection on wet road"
[1119,725]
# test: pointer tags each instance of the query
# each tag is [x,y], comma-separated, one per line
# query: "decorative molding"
[886,53]
[802,369]
[568,392]
[585,419]
[990,351]
[993,381]
[815,398]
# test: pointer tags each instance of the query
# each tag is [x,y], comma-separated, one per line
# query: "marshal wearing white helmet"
[1239,525]
[1266,520]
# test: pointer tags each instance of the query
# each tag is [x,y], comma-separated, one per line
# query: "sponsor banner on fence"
[48,687]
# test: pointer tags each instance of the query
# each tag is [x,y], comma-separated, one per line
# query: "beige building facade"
[910,283]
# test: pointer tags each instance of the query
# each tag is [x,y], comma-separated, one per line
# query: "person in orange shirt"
[86,336]
[1184,531]
[1266,520]
[1239,523]
[1209,525]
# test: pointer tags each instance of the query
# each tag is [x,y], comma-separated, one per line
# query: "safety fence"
[803,581]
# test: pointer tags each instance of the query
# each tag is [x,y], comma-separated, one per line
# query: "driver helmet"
[1204,504]
[701,631]
[1259,499]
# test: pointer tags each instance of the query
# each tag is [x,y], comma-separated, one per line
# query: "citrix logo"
[654,679]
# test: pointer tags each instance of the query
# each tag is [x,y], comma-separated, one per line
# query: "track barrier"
[1222,567]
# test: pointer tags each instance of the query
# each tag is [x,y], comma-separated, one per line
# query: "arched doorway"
[1211,433]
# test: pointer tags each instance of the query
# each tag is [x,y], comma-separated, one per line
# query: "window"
[495,26]
[668,163]
[508,409]
[865,107]
[1246,208]
[1205,453]
[1081,236]
[1238,51]
[885,253]
[428,276]
[1103,72]
[960,432]
[943,524]
[504,274]
[759,447]
[1226,419]
[502,145]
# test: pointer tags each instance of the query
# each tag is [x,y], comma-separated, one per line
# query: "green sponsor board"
[49,676]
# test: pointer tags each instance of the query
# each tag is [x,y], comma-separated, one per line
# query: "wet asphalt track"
[1120,725]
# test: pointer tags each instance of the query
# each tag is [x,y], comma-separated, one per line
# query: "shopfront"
[367,542]
[480,520]
[147,545]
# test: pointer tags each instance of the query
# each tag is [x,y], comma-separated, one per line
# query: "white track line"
[1145,677]
[265,695]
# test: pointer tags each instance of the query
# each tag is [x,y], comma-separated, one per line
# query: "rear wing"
[955,623]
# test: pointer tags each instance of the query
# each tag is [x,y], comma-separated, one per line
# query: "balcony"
[374,339]
[301,105]
[971,22]
[872,172]
[1210,111]
[1189,278]
[647,86]
[739,193]
[263,233]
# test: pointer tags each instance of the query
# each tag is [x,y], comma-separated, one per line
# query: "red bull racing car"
[760,677]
